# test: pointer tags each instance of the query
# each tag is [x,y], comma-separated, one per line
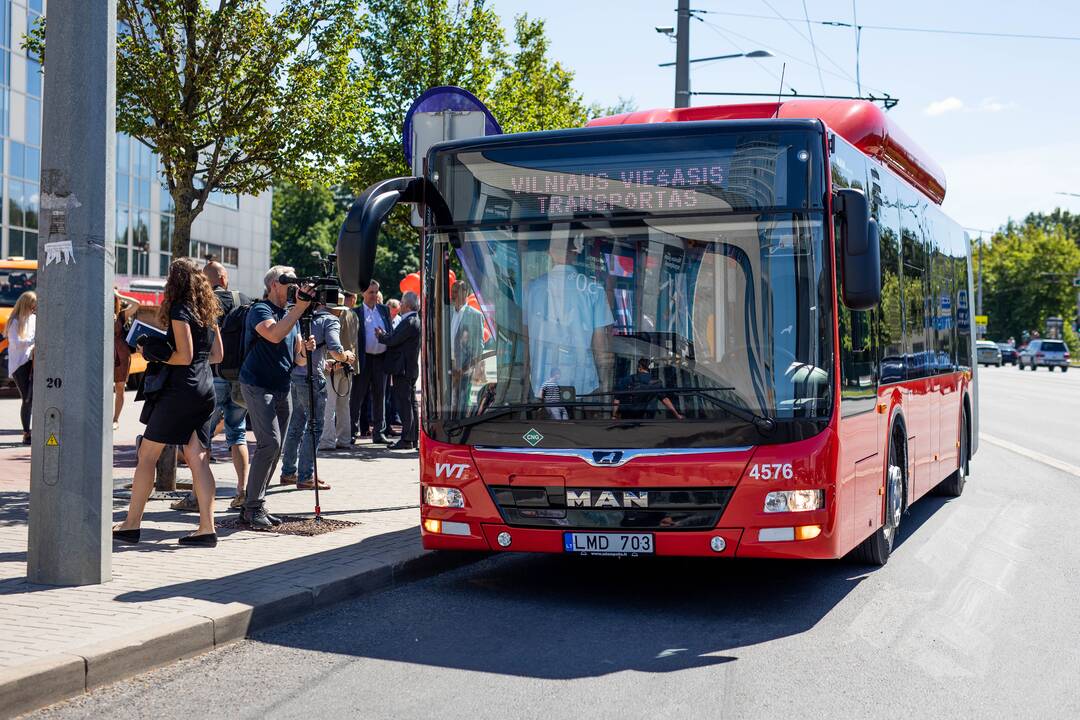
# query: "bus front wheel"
[876,549]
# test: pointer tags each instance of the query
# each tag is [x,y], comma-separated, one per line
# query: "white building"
[235,229]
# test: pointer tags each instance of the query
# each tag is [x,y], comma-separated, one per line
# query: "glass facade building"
[234,229]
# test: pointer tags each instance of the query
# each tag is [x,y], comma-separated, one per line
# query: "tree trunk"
[165,472]
[180,243]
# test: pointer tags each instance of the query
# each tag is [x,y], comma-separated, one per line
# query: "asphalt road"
[976,615]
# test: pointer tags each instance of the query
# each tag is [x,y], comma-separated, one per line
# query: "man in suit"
[403,362]
[370,381]
[467,344]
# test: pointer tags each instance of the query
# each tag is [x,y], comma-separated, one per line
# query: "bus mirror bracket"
[860,254]
[359,235]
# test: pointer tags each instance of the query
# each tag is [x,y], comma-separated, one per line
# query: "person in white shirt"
[20,332]
[370,379]
[569,321]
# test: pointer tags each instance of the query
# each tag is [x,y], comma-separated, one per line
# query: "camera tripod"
[305,331]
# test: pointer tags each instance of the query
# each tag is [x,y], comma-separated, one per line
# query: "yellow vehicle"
[18,275]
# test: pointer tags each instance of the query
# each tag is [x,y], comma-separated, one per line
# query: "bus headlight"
[443,497]
[794,501]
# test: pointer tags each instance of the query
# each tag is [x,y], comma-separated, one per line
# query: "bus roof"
[860,122]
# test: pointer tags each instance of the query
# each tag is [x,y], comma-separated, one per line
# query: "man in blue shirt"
[299,447]
[274,347]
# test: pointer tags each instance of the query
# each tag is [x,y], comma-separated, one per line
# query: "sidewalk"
[166,602]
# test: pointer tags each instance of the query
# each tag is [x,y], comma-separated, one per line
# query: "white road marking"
[1037,456]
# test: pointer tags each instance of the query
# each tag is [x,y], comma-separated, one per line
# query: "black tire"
[953,485]
[876,549]
[1064,368]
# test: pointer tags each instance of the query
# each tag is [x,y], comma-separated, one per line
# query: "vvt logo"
[602,457]
[448,470]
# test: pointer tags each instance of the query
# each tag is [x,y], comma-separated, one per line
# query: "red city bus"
[734,331]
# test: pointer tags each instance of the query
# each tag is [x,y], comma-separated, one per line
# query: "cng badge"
[533,437]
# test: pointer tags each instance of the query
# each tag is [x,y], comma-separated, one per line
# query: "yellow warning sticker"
[52,441]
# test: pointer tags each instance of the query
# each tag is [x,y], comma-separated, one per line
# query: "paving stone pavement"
[159,580]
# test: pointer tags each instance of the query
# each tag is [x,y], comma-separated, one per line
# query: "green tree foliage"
[233,97]
[1029,271]
[1069,222]
[409,46]
[304,220]
[533,92]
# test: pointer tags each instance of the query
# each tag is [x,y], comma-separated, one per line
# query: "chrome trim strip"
[627,455]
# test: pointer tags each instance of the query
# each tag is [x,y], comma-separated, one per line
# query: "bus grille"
[611,508]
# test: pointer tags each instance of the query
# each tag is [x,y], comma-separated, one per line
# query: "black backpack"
[233,343]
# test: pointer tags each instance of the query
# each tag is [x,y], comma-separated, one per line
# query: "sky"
[998,114]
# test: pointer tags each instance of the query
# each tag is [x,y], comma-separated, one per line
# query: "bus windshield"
[657,317]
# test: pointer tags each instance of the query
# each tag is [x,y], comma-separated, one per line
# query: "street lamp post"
[681,31]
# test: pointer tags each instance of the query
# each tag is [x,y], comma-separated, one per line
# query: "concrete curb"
[67,675]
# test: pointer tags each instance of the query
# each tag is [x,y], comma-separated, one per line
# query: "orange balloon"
[410,283]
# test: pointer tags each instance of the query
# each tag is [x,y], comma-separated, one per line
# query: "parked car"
[1045,353]
[1009,354]
[987,353]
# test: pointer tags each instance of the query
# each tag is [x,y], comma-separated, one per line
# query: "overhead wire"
[797,31]
[734,44]
[813,47]
[792,58]
[900,28]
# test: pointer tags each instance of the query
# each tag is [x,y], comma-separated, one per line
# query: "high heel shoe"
[128,537]
[204,540]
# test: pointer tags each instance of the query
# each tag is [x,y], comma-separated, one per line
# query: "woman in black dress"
[180,413]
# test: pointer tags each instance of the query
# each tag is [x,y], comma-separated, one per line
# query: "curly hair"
[188,286]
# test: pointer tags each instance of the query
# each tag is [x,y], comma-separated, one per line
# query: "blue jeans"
[235,425]
[298,440]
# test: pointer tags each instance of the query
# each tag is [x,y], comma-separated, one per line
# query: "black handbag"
[153,381]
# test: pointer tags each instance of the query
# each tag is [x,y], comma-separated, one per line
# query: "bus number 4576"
[774,471]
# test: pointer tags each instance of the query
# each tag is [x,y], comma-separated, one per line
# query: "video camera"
[327,287]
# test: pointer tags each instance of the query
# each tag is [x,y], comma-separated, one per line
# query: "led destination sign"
[650,188]
[545,182]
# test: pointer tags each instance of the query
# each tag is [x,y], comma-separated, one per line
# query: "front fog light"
[443,497]
[794,501]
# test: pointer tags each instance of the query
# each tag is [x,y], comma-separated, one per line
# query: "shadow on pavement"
[562,617]
[239,586]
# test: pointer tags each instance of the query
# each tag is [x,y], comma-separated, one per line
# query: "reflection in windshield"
[646,319]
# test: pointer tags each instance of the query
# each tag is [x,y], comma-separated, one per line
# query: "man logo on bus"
[607,498]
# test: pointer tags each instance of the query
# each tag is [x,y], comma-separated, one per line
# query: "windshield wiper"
[504,410]
[763,423]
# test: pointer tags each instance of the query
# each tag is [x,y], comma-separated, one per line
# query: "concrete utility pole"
[682,56]
[71,476]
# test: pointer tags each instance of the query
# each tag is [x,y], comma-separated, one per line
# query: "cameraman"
[302,436]
[274,348]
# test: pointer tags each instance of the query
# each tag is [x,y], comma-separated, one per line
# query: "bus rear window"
[14,283]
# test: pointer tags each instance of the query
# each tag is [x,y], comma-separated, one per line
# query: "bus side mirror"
[860,250]
[359,234]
